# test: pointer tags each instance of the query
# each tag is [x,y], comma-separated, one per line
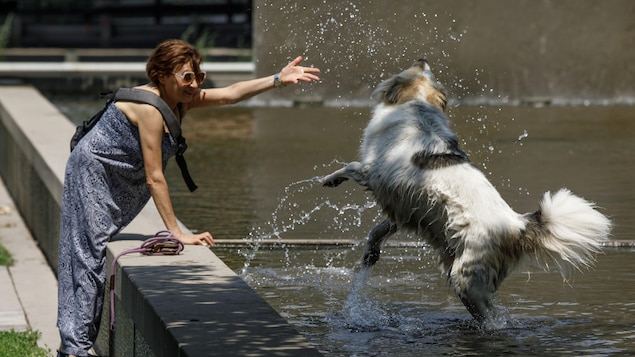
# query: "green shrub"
[5,257]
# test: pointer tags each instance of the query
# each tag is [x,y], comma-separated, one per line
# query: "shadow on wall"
[240,323]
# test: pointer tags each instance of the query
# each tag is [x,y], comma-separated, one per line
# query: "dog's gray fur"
[424,182]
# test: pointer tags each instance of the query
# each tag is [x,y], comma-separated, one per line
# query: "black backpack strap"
[144,96]
[83,129]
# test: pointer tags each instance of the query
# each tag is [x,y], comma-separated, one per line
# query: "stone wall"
[493,50]
[32,161]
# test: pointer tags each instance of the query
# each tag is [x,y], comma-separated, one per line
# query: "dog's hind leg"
[376,238]
[351,171]
[474,283]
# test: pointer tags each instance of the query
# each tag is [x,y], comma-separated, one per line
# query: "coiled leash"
[163,243]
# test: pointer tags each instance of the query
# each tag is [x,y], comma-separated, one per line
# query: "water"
[407,309]
[256,171]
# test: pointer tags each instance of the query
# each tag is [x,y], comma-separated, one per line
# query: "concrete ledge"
[113,73]
[194,305]
[73,54]
[33,154]
[54,69]
[338,243]
[186,305]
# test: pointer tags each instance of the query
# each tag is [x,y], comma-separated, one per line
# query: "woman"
[115,169]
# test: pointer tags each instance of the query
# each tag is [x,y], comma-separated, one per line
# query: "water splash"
[360,312]
[289,214]
[345,34]
[331,40]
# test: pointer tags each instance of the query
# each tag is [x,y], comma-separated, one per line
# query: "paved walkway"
[28,289]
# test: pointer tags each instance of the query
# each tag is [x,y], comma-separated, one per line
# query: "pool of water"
[256,169]
[407,309]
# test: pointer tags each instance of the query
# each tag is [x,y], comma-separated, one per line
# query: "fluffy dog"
[424,182]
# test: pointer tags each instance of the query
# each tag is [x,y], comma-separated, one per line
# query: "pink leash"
[163,243]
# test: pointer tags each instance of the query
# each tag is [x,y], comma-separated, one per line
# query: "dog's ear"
[379,92]
[388,91]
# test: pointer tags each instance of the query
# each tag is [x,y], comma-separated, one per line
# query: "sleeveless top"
[105,175]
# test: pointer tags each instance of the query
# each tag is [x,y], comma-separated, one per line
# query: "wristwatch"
[276,80]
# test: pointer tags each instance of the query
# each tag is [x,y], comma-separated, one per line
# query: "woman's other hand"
[204,238]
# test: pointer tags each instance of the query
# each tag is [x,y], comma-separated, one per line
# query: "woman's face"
[183,84]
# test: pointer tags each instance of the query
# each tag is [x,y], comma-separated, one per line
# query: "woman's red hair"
[168,56]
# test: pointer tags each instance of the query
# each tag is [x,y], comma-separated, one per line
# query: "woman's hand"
[293,73]
[204,238]
[239,91]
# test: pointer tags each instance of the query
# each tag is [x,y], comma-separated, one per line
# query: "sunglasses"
[189,77]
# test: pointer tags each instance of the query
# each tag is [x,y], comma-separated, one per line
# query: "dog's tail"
[567,229]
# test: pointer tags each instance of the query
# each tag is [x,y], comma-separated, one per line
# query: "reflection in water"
[256,167]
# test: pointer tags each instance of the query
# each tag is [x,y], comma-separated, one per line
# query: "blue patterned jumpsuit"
[104,190]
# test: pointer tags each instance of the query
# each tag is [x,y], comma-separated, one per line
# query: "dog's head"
[415,83]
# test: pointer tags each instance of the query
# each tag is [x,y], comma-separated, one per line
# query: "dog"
[424,183]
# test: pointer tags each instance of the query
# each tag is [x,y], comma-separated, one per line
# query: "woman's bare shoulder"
[137,111]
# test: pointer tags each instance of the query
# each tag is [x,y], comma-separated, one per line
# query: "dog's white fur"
[411,161]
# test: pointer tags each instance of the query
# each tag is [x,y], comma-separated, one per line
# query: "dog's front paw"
[332,180]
